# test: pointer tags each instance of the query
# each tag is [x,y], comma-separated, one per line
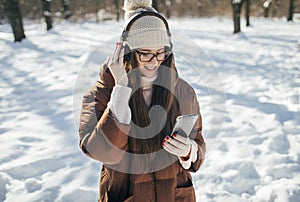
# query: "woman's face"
[149,60]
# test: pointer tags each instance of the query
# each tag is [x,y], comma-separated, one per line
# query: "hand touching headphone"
[116,66]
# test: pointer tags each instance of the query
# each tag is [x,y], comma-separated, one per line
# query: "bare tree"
[97,8]
[291,11]
[82,9]
[2,14]
[168,8]
[66,6]
[46,4]
[117,9]
[267,6]
[155,4]
[247,12]
[236,7]
[199,7]
[12,10]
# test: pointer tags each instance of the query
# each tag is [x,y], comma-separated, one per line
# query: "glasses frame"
[167,53]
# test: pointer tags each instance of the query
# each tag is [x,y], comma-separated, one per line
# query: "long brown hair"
[162,96]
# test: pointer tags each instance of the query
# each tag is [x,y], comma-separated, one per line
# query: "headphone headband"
[131,20]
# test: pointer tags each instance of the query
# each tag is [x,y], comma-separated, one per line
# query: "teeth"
[150,68]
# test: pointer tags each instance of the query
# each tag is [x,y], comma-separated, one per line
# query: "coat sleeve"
[101,136]
[189,105]
[196,134]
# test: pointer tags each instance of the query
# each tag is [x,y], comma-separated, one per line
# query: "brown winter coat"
[106,140]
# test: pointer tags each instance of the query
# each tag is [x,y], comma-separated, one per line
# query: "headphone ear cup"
[127,52]
[171,46]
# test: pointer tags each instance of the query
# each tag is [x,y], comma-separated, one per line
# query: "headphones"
[129,23]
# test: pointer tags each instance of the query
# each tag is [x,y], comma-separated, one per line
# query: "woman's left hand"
[178,145]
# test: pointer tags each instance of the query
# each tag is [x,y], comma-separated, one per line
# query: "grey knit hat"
[146,31]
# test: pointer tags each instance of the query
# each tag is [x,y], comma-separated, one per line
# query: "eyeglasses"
[147,57]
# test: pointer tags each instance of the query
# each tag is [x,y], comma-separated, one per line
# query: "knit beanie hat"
[146,31]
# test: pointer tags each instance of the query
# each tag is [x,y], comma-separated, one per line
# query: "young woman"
[128,116]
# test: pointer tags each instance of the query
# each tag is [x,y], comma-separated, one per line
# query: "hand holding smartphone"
[184,124]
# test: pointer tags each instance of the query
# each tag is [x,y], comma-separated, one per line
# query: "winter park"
[246,80]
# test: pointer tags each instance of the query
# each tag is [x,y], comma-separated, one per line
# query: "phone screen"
[184,124]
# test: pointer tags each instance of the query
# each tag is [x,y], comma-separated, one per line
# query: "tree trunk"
[66,6]
[267,6]
[155,4]
[46,4]
[236,7]
[117,7]
[247,12]
[97,8]
[2,11]
[291,11]
[199,7]
[266,12]
[12,8]
[168,8]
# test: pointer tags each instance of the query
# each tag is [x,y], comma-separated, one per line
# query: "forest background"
[101,10]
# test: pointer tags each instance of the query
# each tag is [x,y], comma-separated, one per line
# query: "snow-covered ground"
[254,157]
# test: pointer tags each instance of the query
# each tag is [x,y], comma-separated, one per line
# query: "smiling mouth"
[150,68]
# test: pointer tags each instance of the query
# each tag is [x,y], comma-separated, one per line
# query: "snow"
[248,86]
[236,1]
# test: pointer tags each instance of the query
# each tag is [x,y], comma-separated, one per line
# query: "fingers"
[175,143]
[171,149]
[114,55]
[184,140]
[116,66]
[118,53]
[121,55]
[180,145]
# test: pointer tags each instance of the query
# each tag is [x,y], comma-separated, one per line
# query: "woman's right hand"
[116,66]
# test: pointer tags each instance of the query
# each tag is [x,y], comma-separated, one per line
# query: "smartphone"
[184,124]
